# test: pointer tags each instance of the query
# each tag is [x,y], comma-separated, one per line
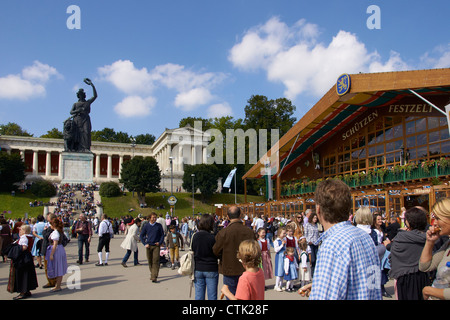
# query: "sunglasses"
[434,216]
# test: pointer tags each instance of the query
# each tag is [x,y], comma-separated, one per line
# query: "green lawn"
[18,205]
[119,206]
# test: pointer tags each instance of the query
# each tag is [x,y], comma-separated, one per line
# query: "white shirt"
[364,227]
[287,263]
[258,223]
[54,236]
[277,247]
[23,240]
[105,227]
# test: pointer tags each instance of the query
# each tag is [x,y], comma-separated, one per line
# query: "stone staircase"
[78,196]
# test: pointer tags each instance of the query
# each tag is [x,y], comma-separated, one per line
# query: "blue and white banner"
[229,178]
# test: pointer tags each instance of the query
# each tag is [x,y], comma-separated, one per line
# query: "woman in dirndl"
[56,255]
[266,261]
[22,273]
[38,230]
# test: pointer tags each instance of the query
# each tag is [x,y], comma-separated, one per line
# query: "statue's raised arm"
[89,83]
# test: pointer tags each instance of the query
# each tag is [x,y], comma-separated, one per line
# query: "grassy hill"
[119,206]
[18,205]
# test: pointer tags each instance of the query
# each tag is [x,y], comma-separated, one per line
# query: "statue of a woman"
[81,120]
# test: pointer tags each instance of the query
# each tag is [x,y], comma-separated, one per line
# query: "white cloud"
[39,72]
[126,77]
[394,63]
[135,106]
[444,60]
[439,57]
[14,87]
[192,99]
[259,45]
[219,110]
[294,56]
[192,89]
[29,84]
[177,77]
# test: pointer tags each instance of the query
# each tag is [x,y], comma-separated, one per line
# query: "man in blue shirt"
[152,236]
[348,267]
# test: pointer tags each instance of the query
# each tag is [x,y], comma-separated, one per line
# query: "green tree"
[43,188]
[206,123]
[13,129]
[53,134]
[141,175]
[12,170]
[147,139]
[109,189]
[105,135]
[122,137]
[205,179]
[262,113]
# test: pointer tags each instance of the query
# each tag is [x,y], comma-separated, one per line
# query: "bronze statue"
[77,129]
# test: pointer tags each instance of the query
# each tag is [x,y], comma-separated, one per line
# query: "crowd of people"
[328,253]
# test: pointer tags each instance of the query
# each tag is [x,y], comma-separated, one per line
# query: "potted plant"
[369,176]
[381,172]
[444,162]
[347,178]
[427,164]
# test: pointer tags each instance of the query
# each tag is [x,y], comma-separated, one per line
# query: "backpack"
[187,263]
[64,240]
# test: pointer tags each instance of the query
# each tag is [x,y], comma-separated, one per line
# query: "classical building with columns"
[173,149]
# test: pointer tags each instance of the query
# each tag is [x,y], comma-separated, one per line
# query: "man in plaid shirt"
[348,267]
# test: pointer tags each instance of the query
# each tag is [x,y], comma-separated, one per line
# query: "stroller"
[164,257]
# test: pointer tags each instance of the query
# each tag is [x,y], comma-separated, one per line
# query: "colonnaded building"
[181,146]
[384,134]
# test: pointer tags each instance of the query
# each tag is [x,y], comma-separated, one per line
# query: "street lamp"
[133,144]
[193,190]
[171,177]
[163,182]
[171,174]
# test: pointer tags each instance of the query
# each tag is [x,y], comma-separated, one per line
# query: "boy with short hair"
[174,241]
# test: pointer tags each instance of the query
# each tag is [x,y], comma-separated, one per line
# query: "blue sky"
[156,62]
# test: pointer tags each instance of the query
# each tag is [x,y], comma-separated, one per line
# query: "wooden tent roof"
[332,112]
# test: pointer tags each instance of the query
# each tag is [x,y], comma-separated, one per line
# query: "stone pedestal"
[45,212]
[77,167]
[99,212]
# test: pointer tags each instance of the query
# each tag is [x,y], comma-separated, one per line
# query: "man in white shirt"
[162,222]
[258,223]
[105,233]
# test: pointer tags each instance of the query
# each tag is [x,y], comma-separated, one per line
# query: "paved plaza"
[114,282]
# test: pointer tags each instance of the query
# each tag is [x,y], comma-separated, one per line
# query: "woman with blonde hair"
[22,274]
[363,216]
[364,219]
[430,261]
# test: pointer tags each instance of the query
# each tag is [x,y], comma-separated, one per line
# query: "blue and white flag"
[229,178]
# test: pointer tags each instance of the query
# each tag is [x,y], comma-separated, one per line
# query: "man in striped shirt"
[348,267]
